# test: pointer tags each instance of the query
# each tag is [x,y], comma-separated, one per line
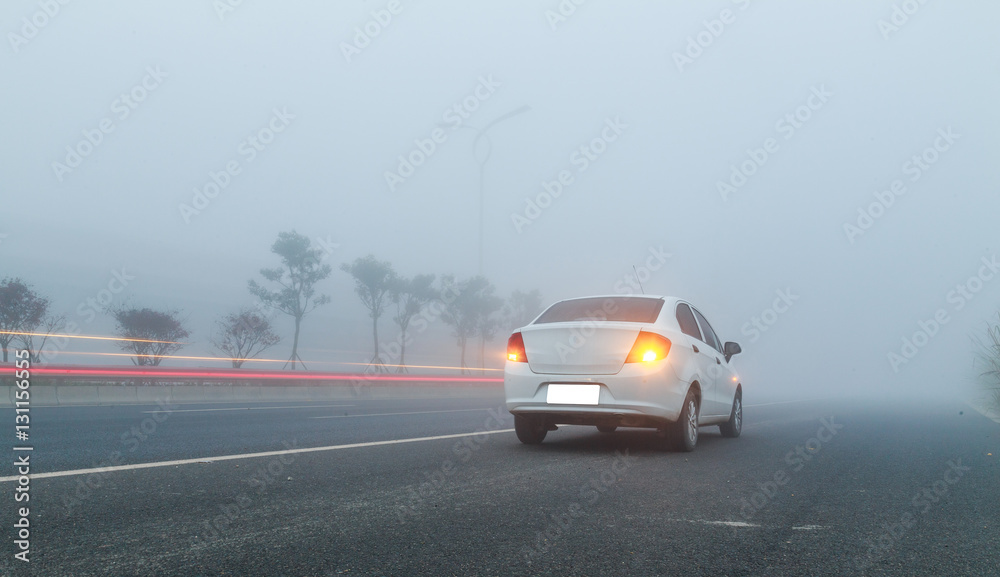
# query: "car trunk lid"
[579,347]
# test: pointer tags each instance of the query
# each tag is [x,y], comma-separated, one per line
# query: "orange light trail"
[87,337]
[172,357]
[228,359]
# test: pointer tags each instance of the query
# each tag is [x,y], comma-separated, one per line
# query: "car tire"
[734,426]
[607,428]
[530,430]
[683,434]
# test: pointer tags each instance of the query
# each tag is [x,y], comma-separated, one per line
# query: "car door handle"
[695,347]
[717,361]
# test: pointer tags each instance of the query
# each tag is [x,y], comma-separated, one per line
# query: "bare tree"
[469,312]
[148,334]
[989,355]
[410,296]
[373,283]
[521,309]
[21,311]
[487,323]
[296,296]
[244,336]
[50,324]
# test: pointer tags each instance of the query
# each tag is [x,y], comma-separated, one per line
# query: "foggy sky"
[219,77]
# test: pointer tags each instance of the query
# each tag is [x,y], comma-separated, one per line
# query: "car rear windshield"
[617,309]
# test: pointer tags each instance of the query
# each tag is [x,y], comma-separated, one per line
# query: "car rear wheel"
[607,428]
[734,425]
[683,434]
[530,430]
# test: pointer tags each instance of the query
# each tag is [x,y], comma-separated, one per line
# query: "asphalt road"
[828,487]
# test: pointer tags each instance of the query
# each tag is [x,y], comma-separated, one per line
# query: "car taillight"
[648,347]
[515,349]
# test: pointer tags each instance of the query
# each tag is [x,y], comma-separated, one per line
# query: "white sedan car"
[622,361]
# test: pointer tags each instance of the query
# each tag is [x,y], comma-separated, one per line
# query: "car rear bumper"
[640,395]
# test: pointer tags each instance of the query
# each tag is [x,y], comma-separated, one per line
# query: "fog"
[679,97]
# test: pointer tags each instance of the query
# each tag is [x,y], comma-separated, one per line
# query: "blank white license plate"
[573,394]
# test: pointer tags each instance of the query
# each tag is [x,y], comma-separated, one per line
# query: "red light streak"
[231,374]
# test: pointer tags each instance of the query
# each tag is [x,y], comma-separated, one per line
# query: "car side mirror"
[731,349]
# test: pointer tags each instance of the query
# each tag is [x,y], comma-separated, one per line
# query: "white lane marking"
[247,409]
[391,414]
[207,460]
[726,523]
[742,524]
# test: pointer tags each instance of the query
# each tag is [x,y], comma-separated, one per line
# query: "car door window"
[710,337]
[686,320]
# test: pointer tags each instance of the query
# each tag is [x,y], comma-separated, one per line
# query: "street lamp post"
[481,135]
